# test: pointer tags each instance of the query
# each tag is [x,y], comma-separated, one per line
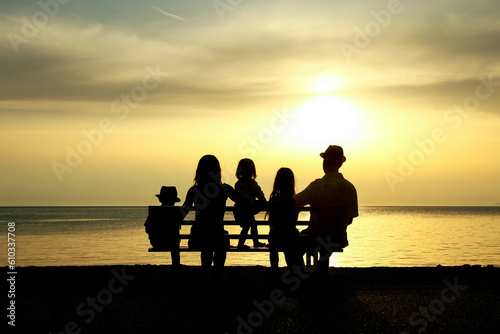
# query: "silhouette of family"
[332,200]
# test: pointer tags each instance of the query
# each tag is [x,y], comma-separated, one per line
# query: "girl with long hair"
[208,196]
[283,220]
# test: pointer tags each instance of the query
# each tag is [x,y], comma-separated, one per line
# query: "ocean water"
[380,236]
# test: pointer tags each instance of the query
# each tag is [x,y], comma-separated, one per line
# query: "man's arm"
[305,196]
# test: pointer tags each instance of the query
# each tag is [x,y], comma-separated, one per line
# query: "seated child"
[283,220]
[163,223]
[250,201]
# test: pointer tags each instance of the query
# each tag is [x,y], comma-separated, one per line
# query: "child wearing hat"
[163,223]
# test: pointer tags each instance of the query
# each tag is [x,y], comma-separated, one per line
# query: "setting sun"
[327,119]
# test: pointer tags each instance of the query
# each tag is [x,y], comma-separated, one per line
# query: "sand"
[163,299]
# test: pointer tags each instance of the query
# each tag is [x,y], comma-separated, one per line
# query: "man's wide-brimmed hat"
[168,194]
[333,152]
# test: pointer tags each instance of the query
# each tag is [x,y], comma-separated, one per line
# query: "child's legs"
[254,231]
[219,260]
[243,233]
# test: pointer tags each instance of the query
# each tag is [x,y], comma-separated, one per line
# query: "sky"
[103,102]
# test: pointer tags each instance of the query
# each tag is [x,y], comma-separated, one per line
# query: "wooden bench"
[238,236]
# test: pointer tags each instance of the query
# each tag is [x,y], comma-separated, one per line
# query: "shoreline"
[161,298]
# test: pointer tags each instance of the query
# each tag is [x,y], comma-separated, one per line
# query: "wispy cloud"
[168,14]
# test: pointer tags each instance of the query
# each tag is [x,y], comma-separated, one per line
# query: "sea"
[382,236]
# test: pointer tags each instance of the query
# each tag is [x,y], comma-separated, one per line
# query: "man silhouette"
[334,204]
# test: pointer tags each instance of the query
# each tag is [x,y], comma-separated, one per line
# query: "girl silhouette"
[283,220]
[208,195]
[251,199]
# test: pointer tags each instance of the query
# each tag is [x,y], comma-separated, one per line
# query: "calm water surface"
[381,236]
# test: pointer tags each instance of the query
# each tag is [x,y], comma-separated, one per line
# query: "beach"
[164,299]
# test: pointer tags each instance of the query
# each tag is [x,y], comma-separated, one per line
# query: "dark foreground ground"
[161,299]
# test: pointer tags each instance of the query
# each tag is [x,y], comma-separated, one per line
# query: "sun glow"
[324,85]
[327,120]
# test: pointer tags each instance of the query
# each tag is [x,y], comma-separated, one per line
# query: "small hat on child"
[168,194]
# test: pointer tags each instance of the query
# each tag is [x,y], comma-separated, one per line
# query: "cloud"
[168,14]
[430,97]
[265,56]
